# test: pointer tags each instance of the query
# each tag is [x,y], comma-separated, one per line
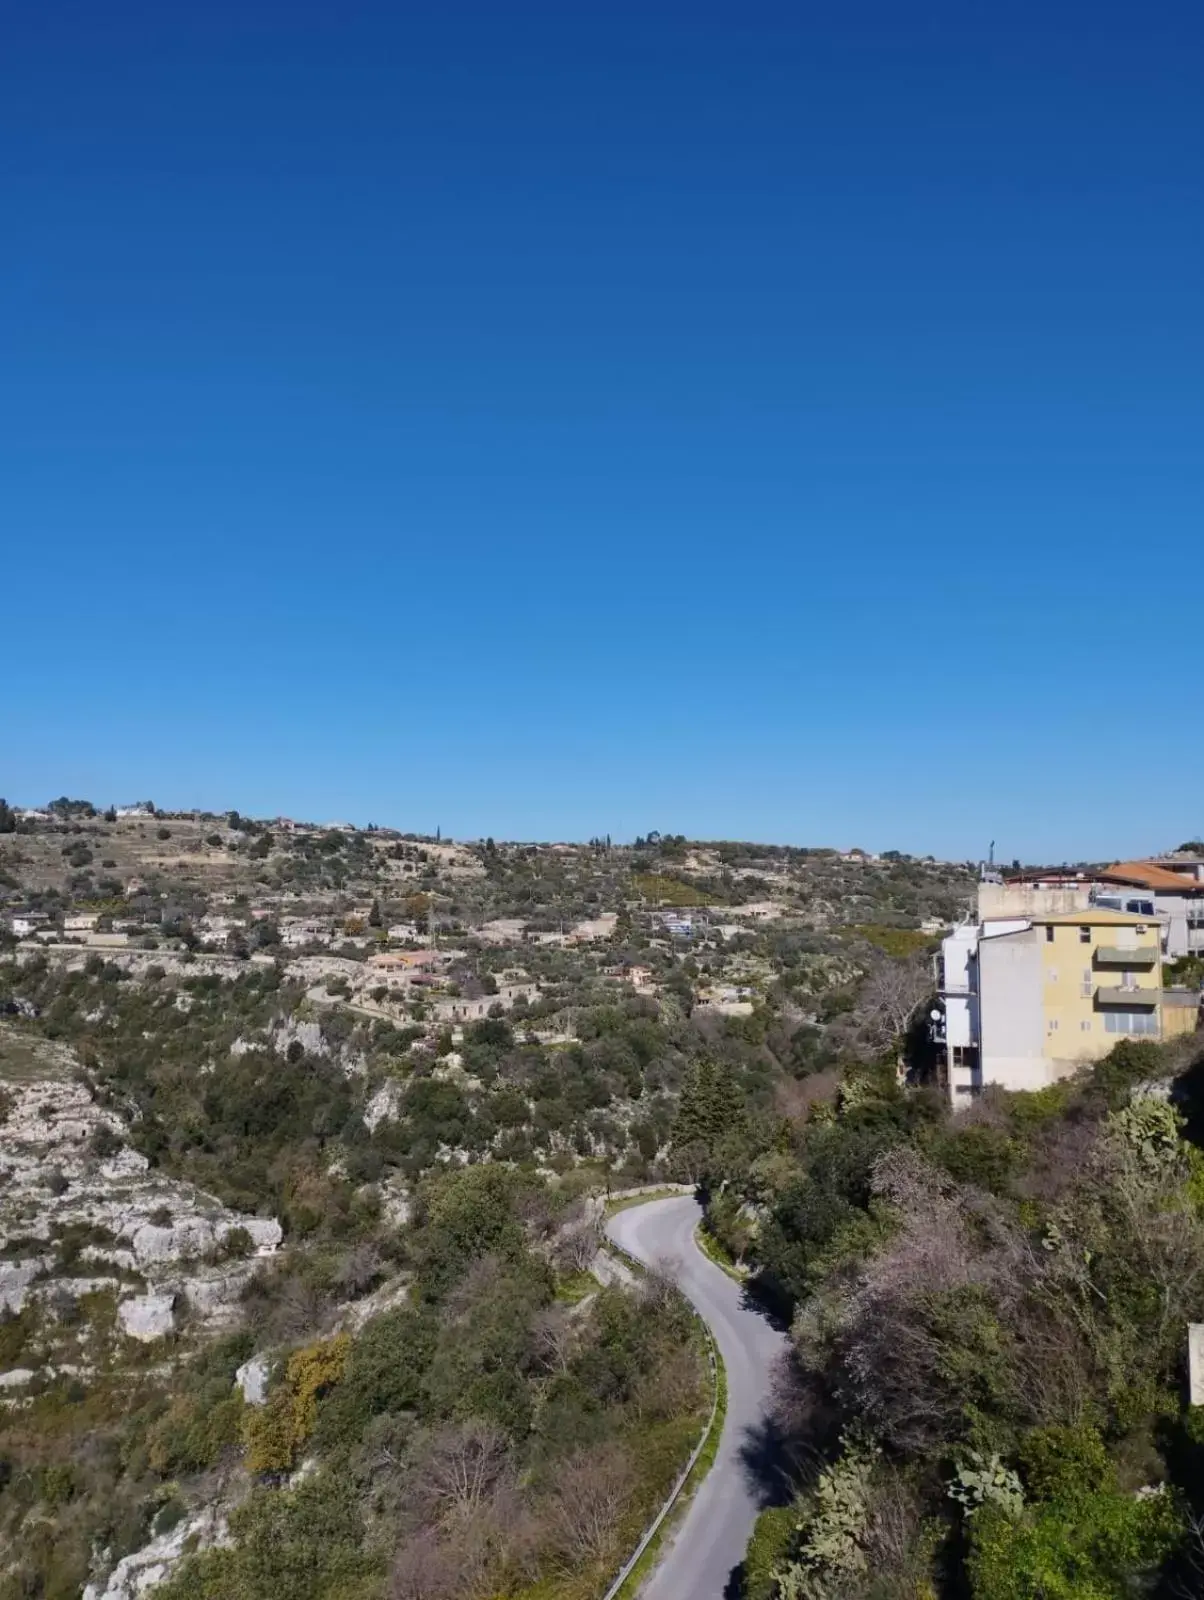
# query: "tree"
[593,1489]
[63,807]
[711,1112]
[889,998]
[460,1466]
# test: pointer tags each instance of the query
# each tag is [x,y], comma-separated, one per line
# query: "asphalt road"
[710,1541]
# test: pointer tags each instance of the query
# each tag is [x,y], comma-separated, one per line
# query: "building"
[1176,897]
[631,972]
[1028,1000]
[406,960]
[1188,862]
[1173,897]
[296,933]
[84,922]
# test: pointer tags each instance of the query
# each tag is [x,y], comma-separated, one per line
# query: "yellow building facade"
[1051,992]
[1101,980]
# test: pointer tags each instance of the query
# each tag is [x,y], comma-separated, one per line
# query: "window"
[1049,933]
[1131,1022]
[1085,1025]
[1084,935]
[1053,1024]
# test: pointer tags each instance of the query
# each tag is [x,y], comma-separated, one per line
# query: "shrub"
[275,1432]
[1104,1547]
[767,1550]
[1062,1463]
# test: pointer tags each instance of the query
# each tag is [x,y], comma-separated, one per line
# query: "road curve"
[712,1537]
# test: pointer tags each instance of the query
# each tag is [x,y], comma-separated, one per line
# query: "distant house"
[296,933]
[26,923]
[142,809]
[82,923]
[406,960]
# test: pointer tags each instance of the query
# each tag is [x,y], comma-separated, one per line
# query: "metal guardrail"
[654,1527]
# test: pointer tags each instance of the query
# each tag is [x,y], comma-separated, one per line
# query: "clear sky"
[747,420]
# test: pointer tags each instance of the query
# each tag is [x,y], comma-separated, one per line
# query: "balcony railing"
[1110,955]
[1127,995]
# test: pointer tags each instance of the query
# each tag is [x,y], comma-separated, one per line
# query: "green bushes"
[1098,1545]
[1003,1296]
[479,1436]
[308,1544]
[768,1550]
[384,1374]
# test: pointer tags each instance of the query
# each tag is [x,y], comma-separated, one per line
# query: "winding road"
[699,1561]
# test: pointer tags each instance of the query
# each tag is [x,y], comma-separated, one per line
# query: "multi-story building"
[1176,896]
[1172,896]
[1029,999]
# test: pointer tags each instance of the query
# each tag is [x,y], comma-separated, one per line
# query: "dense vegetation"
[986,1394]
[493,1432]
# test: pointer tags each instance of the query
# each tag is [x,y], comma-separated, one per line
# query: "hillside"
[303,1128]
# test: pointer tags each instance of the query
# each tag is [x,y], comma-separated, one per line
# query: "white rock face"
[266,1233]
[53,1177]
[252,1379]
[215,1294]
[307,1034]
[395,1205]
[383,1106]
[155,1562]
[16,1378]
[126,1163]
[151,1316]
[15,1279]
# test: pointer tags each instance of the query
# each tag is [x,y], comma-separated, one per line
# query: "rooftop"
[1149,875]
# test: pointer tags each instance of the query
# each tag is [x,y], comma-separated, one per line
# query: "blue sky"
[773,421]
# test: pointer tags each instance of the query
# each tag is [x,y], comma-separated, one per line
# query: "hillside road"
[710,1541]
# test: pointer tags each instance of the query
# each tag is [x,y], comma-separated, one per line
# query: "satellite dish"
[935,1014]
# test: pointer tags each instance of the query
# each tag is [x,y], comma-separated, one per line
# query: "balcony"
[1109,955]
[1128,995]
